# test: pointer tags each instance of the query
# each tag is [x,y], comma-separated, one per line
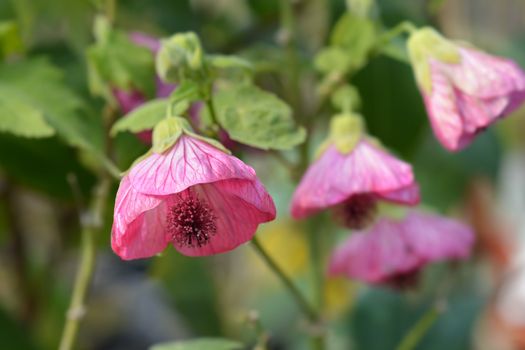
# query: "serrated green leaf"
[144,117]
[257,118]
[38,86]
[200,344]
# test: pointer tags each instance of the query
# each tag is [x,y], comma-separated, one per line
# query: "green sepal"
[426,43]
[346,130]
[181,57]
[167,132]
[346,98]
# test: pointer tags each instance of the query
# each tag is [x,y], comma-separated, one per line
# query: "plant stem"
[418,331]
[303,304]
[91,223]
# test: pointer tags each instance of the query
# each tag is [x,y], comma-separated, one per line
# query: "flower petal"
[239,206]
[374,255]
[189,162]
[335,177]
[434,237]
[485,76]
[138,225]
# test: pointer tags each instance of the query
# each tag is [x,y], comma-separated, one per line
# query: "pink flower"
[194,196]
[393,251]
[465,90]
[352,181]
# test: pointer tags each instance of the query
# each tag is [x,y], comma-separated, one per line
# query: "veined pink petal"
[393,247]
[189,162]
[137,230]
[335,177]
[239,206]
[485,76]
[434,237]
[469,96]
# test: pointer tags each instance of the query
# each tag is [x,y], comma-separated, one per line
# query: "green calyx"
[168,131]
[426,43]
[346,130]
[180,57]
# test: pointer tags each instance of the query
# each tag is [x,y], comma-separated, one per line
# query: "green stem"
[90,225]
[403,27]
[301,301]
[418,331]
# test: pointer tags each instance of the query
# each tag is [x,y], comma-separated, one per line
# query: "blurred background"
[135,304]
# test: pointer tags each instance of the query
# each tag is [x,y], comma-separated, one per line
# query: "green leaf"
[200,344]
[33,93]
[115,61]
[146,116]
[257,118]
[20,119]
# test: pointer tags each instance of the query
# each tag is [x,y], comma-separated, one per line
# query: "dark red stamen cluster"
[191,222]
[356,212]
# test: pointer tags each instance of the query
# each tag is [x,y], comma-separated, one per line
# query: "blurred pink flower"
[465,90]
[392,252]
[352,183]
[194,196]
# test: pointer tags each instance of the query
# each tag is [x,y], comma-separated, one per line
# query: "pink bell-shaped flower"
[189,192]
[392,252]
[351,174]
[464,89]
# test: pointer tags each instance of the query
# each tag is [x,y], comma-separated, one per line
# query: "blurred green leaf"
[146,116]
[19,118]
[115,61]
[42,164]
[35,88]
[257,118]
[200,344]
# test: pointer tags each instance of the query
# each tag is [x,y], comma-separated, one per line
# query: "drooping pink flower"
[351,182]
[393,251]
[193,196]
[464,89]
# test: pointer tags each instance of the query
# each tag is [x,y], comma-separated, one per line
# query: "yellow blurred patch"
[339,296]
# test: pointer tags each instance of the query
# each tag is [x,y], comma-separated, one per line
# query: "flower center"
[191,222]
[357,211]
[403,280]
